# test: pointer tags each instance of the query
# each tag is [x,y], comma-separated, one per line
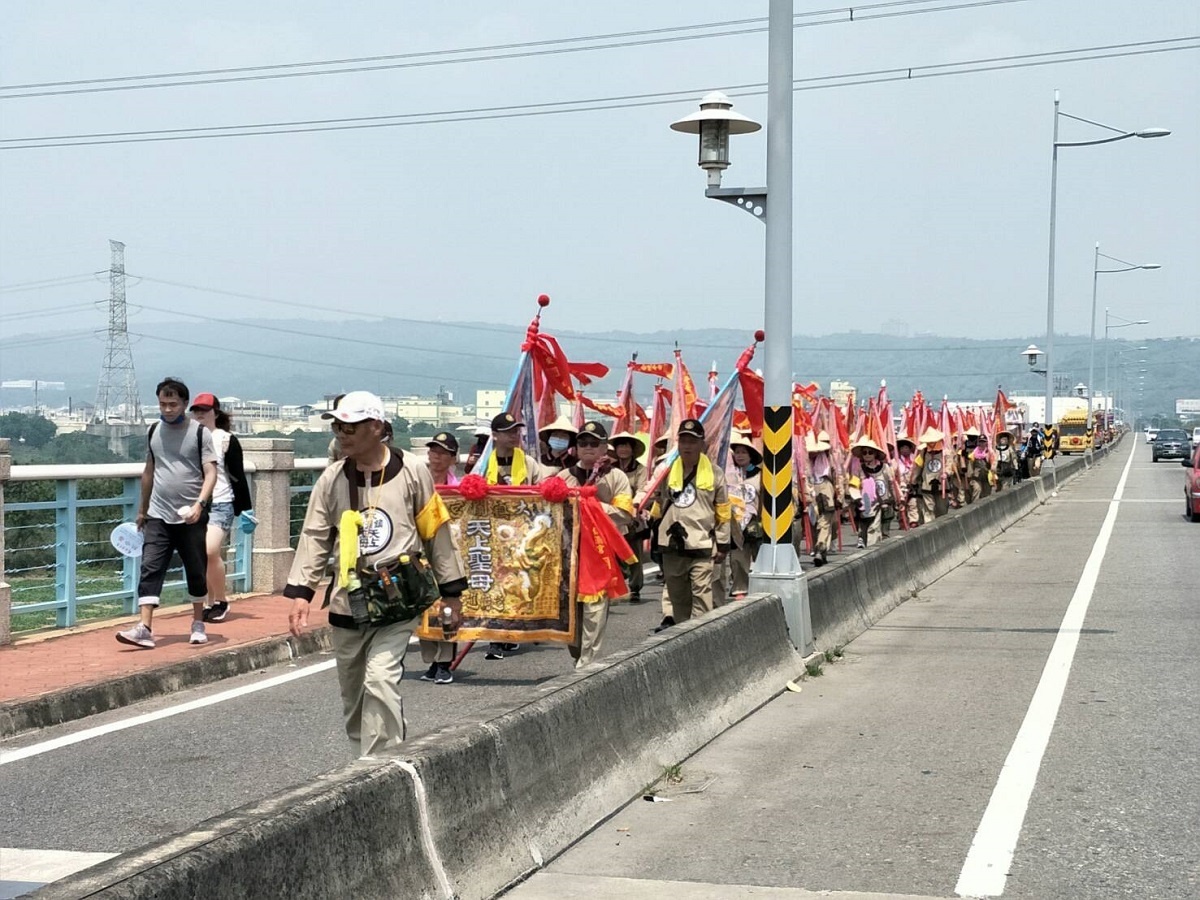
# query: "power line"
[62,281]
[484,54]
[823,82]
[326,336]
[348,365]
[43,313]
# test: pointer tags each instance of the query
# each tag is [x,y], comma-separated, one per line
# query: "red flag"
[552,362]
[752,396]
[577,417]
[584,372]
[660,414]
[600,545]
[606,409]
[662,370]
[626,416]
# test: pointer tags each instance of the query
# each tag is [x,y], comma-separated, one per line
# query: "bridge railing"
[59,566]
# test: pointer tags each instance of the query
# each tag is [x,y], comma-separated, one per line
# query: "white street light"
[1118,135]
[714,123]
[1096,273]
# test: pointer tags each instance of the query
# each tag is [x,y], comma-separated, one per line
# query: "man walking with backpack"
[177,485]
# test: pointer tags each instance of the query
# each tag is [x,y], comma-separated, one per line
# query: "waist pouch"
[394,593]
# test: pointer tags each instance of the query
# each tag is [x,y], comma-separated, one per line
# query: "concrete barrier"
[849,597]
[470,809]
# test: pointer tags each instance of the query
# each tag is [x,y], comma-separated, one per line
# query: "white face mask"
[559,444]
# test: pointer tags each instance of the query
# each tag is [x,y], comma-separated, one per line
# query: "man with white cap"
[825,493]
[379,511]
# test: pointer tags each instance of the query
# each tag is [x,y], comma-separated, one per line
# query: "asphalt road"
[876,777]
[127,788]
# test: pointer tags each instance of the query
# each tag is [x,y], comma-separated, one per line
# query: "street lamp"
[1124,323]
[1118,135]
[1096,273]
[776,569]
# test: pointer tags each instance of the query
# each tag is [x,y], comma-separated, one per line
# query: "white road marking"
[986,868]
[11,756]
[44,866]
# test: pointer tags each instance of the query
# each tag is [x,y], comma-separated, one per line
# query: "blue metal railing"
[85,568]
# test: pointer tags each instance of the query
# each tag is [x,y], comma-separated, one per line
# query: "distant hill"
[298,360]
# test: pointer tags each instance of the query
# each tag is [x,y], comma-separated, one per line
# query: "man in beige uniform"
[933,480]
[402,518]
[692,506]
[509,464]
[825,493]
[626,448]
[591,467]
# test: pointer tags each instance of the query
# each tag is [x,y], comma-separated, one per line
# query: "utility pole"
[118,383]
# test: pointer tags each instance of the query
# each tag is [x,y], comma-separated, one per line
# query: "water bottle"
[448,628]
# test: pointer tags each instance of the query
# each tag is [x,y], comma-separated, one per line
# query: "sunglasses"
[344,427]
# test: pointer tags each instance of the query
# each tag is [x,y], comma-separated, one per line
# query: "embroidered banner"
[519,551]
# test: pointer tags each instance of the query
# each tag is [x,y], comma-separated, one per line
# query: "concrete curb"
[88,699]
[468,810]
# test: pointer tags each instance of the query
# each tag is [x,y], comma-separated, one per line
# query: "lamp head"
[714,123]
[1152,266]
[1152,132]
[1031,354]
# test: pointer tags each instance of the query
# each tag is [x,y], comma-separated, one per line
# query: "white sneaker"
[198,635]
[139,636]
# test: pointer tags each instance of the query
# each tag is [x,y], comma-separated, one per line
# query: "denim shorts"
[221,515]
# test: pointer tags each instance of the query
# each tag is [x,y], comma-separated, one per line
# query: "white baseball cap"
[357,406]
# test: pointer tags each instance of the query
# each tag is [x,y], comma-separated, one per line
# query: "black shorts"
[161,540]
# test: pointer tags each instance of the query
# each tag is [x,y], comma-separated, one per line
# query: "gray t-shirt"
[180,452]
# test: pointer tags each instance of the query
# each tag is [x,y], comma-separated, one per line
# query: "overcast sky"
[921,205]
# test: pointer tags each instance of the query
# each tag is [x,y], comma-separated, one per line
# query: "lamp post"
[1124,323]
[1123,383]
[777,568]
[1096,273]
[1118,135]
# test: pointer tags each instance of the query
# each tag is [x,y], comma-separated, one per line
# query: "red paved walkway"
[52,661]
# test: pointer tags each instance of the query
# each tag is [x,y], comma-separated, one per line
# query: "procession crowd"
[377,510]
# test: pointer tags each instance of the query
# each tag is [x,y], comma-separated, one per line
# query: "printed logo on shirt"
[685,498]
[377,532]
[933,465]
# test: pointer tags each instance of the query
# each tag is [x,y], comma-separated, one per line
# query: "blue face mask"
[174,421]
[559,444]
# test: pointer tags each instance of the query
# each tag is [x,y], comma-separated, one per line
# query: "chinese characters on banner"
[519,551]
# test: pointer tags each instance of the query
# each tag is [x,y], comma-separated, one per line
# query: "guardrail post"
[65,495]
[5,590]
[273,460]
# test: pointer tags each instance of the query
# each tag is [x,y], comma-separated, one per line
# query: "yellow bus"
[1074,435]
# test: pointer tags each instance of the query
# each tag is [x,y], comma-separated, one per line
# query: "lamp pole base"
[777,571]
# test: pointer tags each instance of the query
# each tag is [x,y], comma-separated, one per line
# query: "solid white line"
[11,756]
[986,868]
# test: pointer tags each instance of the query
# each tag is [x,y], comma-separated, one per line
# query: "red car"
[1191,486]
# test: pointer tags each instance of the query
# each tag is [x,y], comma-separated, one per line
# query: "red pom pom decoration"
[473,487]
[760,335]
[588,490]
[554,490]
[543,300]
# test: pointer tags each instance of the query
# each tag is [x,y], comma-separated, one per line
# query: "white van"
[1196,437]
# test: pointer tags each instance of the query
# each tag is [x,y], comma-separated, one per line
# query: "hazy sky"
[922,204]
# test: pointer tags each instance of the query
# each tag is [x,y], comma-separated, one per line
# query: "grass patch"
[814,669]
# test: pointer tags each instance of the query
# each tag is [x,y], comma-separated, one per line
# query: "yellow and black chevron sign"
[776,503]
